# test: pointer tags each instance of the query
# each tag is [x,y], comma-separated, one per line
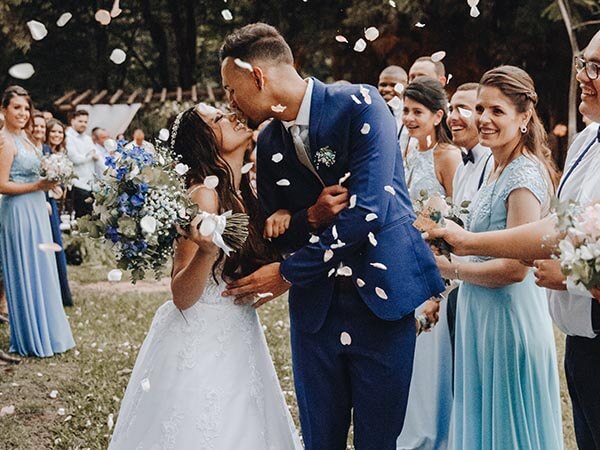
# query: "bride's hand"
[205,243]
[458,238]
[432,311]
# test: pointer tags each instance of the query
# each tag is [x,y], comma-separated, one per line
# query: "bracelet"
[456,273]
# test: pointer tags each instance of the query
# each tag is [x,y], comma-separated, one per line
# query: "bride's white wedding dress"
[204,380]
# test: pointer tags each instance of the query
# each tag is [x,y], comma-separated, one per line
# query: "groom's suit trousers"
[356,362]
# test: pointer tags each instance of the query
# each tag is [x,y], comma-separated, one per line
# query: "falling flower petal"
[389,189]
[365,128]
[341,38]
[360,45]
[474,12]
[277,157]
[392,3]
[355,99]
[110,422]
[116,10]
[465,112]
[227,14]
[344,178]
[360,282]
[21,71]
[243,64]
[211,181]
[428,140]
[118,56]
[37,29]
[328,255]
[370,217]
[419,25]
[247,167]
[472,3]
[181,169]
[264,294]
[366,94]
[438,56]
[352,201]
[381,293]
[53,394]
[163,135]
[314,239]
[449,78]
[64,19]
[395,103]
[50,247]
[399,88]
[344,271]
[331,272]
[115,275]
[278,108]
[334,232]
[371,33]
[283,182]
[338,244]
[372,239]
[345,338]
[102,16]
[7,410]
[378,265]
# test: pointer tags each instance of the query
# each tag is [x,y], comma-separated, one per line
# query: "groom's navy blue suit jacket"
[375,165]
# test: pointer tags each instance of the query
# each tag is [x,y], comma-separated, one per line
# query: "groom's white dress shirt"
[81,150]
[572,309]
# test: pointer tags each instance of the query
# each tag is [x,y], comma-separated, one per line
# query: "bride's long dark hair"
[197,146]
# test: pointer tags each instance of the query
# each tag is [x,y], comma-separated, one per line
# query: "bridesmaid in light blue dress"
[506,392]
[38,324]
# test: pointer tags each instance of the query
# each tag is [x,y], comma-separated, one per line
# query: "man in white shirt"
[138,141]
[81,150]
[99,136]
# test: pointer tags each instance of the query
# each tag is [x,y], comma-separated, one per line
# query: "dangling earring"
[523,128]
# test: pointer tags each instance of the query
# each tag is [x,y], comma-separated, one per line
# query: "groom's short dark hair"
[257,41]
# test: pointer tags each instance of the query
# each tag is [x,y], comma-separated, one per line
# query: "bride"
[204,378]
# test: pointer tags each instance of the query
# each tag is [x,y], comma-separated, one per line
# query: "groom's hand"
[258,288]
[332,200]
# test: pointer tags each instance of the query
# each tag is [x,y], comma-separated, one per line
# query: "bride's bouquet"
[140,201]
[57,167]
[579,249]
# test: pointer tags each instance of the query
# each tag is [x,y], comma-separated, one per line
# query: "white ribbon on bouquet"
[214,224]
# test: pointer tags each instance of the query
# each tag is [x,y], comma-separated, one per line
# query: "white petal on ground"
[352,201]
[22,71]
[365,128]
[419,25]
[379,265]
[360,45]
[7,410]
[102,16]
[355,99]
[278,108]
[243,64]
[474,12]
[438,56]
[61,411]
[211,181]
[264,294]
[344,271]
[50,247]
[115,275]
[163,134]
[314,239]
[389,189]
[345,338]
[344,178]
[334,232]
[465,112]
[37,29]
[381,293]
[118,56]
[181,169]
[399,88]
[370,217]
[341,38]
[110,422]
[53,394]
[372,239]
[277,157]
[328,255]
[64,19]
[145,384]
[283,182]
[371,33]
[227,14]
[395,103]
[247,167]
[360,282]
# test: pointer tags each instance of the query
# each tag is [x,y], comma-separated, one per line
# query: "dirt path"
[125,286]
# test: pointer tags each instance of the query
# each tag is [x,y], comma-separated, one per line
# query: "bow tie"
[466,157]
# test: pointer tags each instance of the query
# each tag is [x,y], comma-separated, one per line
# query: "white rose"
[181,169]
[148,224]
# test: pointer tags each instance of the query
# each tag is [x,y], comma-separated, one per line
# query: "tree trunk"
[565,13]
[159,38]
[185,41]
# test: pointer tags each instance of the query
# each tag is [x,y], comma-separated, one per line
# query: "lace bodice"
[421,174]
[26,165]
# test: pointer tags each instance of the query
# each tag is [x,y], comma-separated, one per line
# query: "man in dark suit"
[355,278]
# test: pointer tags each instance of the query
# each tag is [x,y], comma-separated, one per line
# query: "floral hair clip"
[176,124]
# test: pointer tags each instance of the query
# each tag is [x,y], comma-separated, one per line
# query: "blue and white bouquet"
[138,203]
[579,248]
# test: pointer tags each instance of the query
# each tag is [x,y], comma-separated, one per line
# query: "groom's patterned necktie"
[299,137]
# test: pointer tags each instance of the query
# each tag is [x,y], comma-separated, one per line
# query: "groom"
[354,278]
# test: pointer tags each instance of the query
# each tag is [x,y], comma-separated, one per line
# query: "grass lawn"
[109,323]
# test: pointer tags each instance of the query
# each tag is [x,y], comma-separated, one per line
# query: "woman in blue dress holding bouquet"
[38,324]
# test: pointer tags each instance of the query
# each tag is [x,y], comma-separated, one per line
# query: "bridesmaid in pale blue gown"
[506,393]
[430,167]
[38,324]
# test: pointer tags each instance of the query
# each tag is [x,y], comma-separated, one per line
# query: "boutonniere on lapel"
[325,156]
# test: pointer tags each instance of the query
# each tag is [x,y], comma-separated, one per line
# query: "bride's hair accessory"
[176,124]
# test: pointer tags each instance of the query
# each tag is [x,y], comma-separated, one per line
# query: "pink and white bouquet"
[59,168]
[579,249]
